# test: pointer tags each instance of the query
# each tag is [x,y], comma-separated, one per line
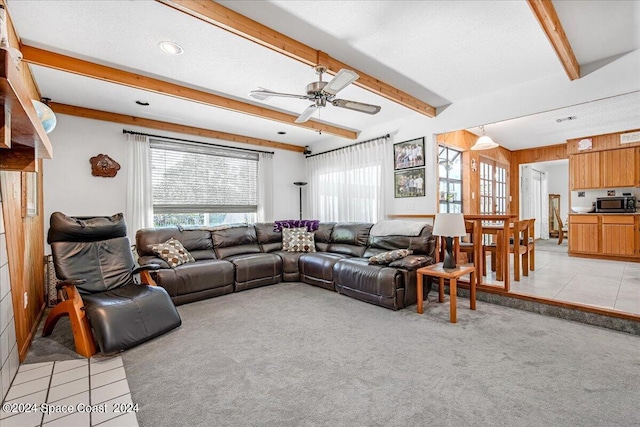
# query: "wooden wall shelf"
[23,138]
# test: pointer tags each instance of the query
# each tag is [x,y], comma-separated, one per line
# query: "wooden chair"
[564,231]
[522,246]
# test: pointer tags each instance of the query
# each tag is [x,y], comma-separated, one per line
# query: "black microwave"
[616,204]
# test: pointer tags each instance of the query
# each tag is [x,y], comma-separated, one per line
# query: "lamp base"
[449,259]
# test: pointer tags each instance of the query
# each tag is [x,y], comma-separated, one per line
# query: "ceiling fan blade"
[341,80]
[356,106]
[263,94]
[306,114]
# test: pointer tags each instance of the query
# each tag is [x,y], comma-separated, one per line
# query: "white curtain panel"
[544,221]
[526,192]
[265,187]
[349,184]
[139,211]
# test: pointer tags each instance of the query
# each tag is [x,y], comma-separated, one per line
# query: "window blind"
[194,178]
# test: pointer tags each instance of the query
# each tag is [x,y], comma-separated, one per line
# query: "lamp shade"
[484,143]
[449,225]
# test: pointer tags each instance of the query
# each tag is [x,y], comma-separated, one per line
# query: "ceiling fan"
[322,93]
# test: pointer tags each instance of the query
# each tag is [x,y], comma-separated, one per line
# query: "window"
[196,184]
[450,179]
[493,187]
[348,184]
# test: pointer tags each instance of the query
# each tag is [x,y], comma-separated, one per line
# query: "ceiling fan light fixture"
[484,142]
[171,48]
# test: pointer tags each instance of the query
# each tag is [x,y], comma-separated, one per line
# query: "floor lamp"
[300,184]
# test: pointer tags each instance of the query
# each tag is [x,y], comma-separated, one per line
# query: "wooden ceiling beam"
[81,67]
[229,20]
[548,19]
[106,116]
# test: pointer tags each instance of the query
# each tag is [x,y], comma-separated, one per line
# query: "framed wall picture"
[409,183]
[408,154]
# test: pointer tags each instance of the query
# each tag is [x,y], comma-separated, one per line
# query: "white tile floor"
[79,393]
[607,284]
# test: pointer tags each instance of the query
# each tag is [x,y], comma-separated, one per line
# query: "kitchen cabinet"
[585,170]
[611,236]
[618,235]
[619,168]
[583,234]
[605,169]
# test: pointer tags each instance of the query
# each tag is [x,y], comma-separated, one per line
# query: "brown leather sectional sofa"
[235,258]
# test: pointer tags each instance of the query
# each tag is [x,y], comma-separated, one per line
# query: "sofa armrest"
[147,267]
[412,262]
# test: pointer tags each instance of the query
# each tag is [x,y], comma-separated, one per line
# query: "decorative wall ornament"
[103,165]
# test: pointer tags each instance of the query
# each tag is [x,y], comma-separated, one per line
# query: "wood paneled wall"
[610,141]
[464,140]
[25,238]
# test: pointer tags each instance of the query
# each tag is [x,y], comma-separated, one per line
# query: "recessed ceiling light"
[282,133]
[171,48]
[143,103]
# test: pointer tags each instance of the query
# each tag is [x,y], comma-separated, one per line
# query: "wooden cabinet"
[583,233]
[612,236]
[618,235]
[619,168]
[585,170]
[605,169]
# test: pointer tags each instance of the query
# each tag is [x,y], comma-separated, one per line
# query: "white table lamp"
[449,225]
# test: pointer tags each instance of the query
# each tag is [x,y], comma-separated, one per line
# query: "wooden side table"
[453,275]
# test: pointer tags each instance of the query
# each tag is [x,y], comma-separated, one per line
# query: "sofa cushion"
[172,252]
[297,240]
[424,244]
[290,270]
[235,241]
[350,238]
[269,240]
[322,236]
[195,277]
[197,241]
[390,256]
[372,279]
[317,268]
[253,270]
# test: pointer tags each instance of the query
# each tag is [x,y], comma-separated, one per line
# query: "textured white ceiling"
[607,115]
[443,52]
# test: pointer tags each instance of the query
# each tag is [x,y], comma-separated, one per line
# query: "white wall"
[70,188]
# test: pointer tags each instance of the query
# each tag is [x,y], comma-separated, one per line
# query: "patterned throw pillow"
[387,257]
[172,252]
[298,240]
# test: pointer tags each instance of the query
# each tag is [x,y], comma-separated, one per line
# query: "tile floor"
[76,386]
[608,284]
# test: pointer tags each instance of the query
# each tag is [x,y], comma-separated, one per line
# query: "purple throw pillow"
[311,224]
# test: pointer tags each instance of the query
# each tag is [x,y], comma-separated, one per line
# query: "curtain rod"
[349,146]
[194,142]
